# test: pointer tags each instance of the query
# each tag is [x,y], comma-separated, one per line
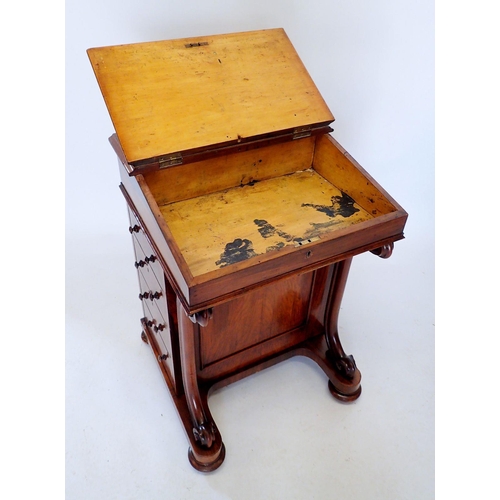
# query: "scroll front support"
[346,375]
[345,384]
[207,451]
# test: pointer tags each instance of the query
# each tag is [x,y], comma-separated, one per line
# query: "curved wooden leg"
[348,376]
[207,450]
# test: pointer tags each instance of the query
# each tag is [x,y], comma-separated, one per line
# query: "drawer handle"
[155,295]
[163,357]
[150,259]
[160,327]
[150,295]
[134,229]
[141,263]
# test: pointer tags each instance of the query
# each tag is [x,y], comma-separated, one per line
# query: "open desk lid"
[175,98]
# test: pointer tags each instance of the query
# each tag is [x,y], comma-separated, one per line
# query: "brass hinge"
[170,160]
[301,132]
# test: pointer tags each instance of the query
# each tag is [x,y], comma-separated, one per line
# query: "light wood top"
[178,95]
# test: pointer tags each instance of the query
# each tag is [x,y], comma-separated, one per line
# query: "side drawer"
[146,258]
[155,299]
[153,294]
[161,332]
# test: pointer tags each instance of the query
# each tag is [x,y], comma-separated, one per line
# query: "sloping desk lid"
[185,95]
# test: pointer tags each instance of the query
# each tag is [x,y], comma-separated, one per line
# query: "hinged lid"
[173,98]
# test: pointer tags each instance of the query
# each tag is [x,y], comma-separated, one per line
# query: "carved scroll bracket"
[202,317]
[344,364]
[384,252]
[204,434]
[203,427]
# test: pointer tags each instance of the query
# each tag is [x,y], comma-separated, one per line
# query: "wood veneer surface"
[178,95]
[218,229]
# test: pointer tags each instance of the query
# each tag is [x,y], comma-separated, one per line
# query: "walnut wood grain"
[343,363]
[201,458]
[204,430]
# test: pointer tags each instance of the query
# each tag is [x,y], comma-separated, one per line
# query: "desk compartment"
[268,211]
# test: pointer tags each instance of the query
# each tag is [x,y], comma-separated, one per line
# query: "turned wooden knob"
[134,229]
[141,263]
[152,258]
[144,295]
[149,323]
[163,357]
[160,327]
[155,295]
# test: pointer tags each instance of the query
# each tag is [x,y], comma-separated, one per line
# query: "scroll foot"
[345,365]
[210,466]
[345,398]
[204,434]
[343,388]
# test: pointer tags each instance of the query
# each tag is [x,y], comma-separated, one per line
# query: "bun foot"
[345,398]
[144,337]
[210,466]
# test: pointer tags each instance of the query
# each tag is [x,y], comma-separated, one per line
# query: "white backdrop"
[373,62]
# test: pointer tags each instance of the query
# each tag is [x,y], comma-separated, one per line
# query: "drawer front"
[153,295]
[161,332]
[154,298]
[151,290]
[148,262]
[146,259]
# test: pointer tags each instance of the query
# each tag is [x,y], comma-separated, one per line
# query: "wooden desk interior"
[226,210]
[219,229]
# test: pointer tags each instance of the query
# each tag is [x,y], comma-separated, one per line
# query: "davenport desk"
[244,214]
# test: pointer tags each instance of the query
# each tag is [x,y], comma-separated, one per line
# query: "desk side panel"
[255,326]
[143,211]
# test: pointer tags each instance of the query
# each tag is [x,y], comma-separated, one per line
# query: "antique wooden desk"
[244,214]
